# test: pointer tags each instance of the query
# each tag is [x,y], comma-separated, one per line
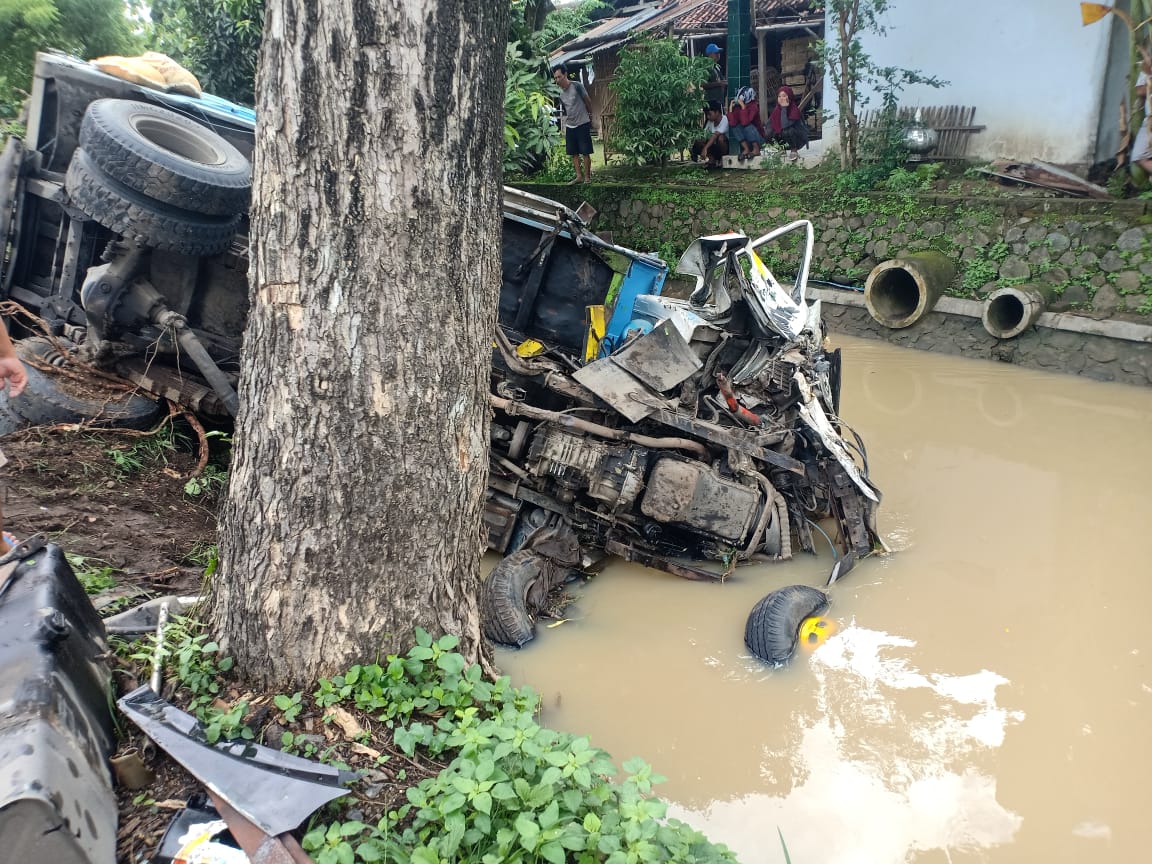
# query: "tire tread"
[773,625]
[118,151]
[129,213]
[504,614]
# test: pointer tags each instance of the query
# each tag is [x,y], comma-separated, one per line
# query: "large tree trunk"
[361,454]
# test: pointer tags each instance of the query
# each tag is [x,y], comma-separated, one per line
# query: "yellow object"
[151,69]
[530,348]
[761,267]
[595,319]
[1090,13]
[815,631]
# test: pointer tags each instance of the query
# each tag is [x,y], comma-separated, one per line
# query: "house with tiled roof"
[1042,87]
[783,30]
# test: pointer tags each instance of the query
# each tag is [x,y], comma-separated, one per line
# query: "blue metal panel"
[643,277]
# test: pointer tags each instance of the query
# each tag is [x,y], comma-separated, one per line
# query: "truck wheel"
[125,211]
[48,399]
[773,626]
[513,593]
[166,156]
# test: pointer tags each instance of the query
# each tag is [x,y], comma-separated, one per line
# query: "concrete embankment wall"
[1095,256]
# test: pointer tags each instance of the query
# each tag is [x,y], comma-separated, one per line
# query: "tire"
[166,156]
[773,626]
[505,614]
[127,212]
[44,401]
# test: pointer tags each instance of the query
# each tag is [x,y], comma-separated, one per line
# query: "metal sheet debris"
[274,790]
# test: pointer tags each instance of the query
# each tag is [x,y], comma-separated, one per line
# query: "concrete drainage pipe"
[898,292]
[1008,312]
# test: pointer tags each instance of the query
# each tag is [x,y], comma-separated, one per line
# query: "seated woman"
[787,122]
[744,123]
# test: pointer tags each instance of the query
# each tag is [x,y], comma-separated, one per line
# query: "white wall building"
[1046,87]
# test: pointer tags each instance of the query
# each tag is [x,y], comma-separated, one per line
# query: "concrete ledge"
[1128,331]
[756,164]
[1103,358]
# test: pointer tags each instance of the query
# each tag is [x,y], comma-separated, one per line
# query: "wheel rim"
[168,136]
[815,631]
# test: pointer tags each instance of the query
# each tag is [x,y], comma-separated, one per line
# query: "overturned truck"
[668,431]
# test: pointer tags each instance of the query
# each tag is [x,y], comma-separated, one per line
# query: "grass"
[95,575]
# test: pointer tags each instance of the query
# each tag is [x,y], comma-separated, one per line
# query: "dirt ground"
[117,504]
[116,500]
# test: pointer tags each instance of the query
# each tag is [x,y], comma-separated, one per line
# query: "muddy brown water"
[988,697]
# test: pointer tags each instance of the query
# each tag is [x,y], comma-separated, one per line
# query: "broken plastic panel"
[772,307]
[273,790]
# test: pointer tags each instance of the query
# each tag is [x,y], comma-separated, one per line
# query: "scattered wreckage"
[688,434]
[627,422]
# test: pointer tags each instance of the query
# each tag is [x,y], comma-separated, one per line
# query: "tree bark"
[361,450]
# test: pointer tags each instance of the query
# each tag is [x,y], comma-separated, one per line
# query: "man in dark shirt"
[717,86]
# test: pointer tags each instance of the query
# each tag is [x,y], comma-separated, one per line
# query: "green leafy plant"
[558,168]
[212,479]
[530,134]
[903,181]
[95,575]
[289,706]
[199,667]
[659,100]
[88,28]
[513,791]
[218,40]
[853,72]
[566,22]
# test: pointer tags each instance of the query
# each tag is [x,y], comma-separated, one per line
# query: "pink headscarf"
[775,118]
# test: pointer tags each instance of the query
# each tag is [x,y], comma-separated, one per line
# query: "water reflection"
[990,694]
[890,755]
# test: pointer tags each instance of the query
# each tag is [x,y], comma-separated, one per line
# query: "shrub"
[658,100]
[513,790]
[529,133]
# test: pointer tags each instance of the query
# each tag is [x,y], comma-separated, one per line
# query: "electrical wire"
[835,554]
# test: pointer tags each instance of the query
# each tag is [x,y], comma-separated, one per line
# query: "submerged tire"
[773,626]
[166,156]
[45,401]
[506,613]
[126,211]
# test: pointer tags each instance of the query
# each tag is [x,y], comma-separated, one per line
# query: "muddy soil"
[117,501]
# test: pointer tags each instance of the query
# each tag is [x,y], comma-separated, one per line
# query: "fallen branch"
[195,423]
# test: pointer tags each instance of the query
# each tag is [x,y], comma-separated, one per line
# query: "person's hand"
[13,375]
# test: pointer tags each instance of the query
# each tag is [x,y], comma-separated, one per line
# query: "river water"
[988,696]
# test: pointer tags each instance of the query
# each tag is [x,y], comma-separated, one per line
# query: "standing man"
[577,109]
[717,87]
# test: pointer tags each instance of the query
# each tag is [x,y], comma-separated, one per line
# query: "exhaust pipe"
[1008,312]
[900,291]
